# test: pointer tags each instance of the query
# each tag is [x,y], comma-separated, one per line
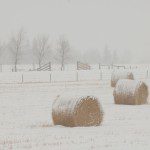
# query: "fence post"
[50,78]
[77,78]
[1,67]
[147,73]
[112,66]
[22,78]
[99,66]
[49,66]
[101,76]
[77,65]
[32,66]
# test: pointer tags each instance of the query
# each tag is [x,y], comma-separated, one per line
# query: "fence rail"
[70,67]
[45,67]
[83,66]
[64,76]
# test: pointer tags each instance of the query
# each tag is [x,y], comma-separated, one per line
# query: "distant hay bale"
[116,75]
[130,92]
[77,111]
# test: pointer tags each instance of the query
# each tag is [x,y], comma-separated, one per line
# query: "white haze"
[124,25]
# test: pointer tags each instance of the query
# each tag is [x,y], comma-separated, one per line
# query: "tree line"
[41,49]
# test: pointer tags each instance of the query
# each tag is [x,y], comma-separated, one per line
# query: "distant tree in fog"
[16,45]
[91,56]
[63,49]
[41,47]
[107,57]
[114,57]
[126,56]
[2,47]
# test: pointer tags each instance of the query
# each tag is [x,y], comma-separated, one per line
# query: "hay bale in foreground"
[130,92]
[116,75]
[77,111]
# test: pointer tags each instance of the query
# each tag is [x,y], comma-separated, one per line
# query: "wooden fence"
[83,66]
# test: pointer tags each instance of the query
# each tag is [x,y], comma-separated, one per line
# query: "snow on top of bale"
[130,92]
[127,86]
[116,75]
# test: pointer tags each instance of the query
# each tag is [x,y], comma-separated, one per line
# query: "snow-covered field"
[26,122]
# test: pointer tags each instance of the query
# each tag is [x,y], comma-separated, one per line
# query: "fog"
[89,26]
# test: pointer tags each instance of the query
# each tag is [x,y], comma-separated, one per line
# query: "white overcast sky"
[88,24]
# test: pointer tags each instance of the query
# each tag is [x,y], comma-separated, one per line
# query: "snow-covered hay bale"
[77,111]
[130,92]
[116,75]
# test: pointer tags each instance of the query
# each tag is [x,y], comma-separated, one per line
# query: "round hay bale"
[116,75]
[130,92]
[77,111]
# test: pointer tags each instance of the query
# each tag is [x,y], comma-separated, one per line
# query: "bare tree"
[114,57]
[107,55]
[40,48]
[16,45]
[1,49]
[63,49]
[91,56]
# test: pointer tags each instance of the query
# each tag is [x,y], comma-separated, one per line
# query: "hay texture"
[77,111]
[130,92]
[116,75]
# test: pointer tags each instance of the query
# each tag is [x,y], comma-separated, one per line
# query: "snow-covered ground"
[26,122]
